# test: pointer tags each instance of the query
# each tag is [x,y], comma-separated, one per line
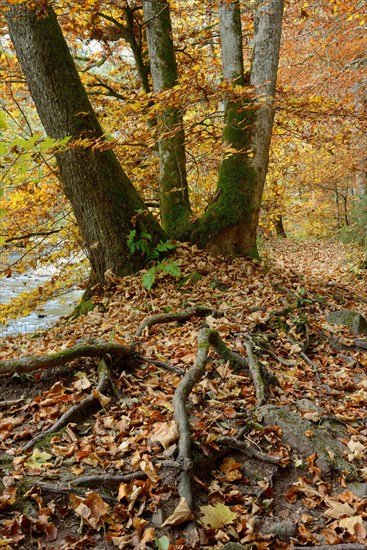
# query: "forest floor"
[262,445]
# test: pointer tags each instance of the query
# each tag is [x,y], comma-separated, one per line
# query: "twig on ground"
[248,449]
[180,316]
[159,364]
[77,409]
[107,478]
[306,359]
[182,418]
[10,403]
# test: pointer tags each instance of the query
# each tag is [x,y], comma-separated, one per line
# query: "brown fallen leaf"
[181,514]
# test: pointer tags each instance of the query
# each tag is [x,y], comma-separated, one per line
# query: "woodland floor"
[251,481]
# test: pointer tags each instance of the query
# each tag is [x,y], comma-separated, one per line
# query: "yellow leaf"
[217,516]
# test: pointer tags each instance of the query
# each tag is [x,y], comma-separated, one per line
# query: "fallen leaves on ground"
[284,300]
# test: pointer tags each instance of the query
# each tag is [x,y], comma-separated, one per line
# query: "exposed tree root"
[76,410]
[30,363]
[236,360]
[248,449]
[260,375]
[255,371]
[179,316]
[107,478]
[206,338]
[182,418]
[56,489]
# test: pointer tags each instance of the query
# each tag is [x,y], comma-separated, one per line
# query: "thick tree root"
[31,363]
[255,371]
[78,409]
[56,489]
[179,316]
[182,418]
[206,338]
[261,377]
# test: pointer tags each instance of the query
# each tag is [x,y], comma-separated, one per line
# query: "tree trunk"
[229,225]
[279,227]
[105,203]
[173,189]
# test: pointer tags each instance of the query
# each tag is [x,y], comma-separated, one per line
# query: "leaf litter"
[111,478]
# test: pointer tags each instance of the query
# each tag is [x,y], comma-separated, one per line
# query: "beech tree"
[106,205]
[229,225]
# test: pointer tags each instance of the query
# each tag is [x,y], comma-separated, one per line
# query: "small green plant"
[154,256]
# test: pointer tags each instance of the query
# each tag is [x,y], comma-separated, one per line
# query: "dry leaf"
[181,514]
[166,434]
[92,509]
[337,509]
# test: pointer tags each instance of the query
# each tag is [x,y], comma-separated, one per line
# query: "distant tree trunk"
[337,213]
[279,227]
[229,224]
[105,203]
[173,189]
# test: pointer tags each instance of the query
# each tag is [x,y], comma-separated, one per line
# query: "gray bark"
[264,69]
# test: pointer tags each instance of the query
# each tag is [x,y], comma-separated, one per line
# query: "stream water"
[44,315]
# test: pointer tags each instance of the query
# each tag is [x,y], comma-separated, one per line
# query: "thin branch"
[159,364]
[247,449]
[74,412]
[56,489]
[29,235]
[107,478]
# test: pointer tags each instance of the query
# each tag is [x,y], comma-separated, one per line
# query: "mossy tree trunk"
[230,223]
[104,201]
[173,189]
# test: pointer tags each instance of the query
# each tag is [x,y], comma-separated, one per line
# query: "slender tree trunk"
[264,70]
[337,213]
[279,227]
[173,190]
[229,225]
[105,203]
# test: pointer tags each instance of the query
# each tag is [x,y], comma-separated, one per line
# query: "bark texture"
[229,225]
[173,189]
[264,70]
[103,199]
